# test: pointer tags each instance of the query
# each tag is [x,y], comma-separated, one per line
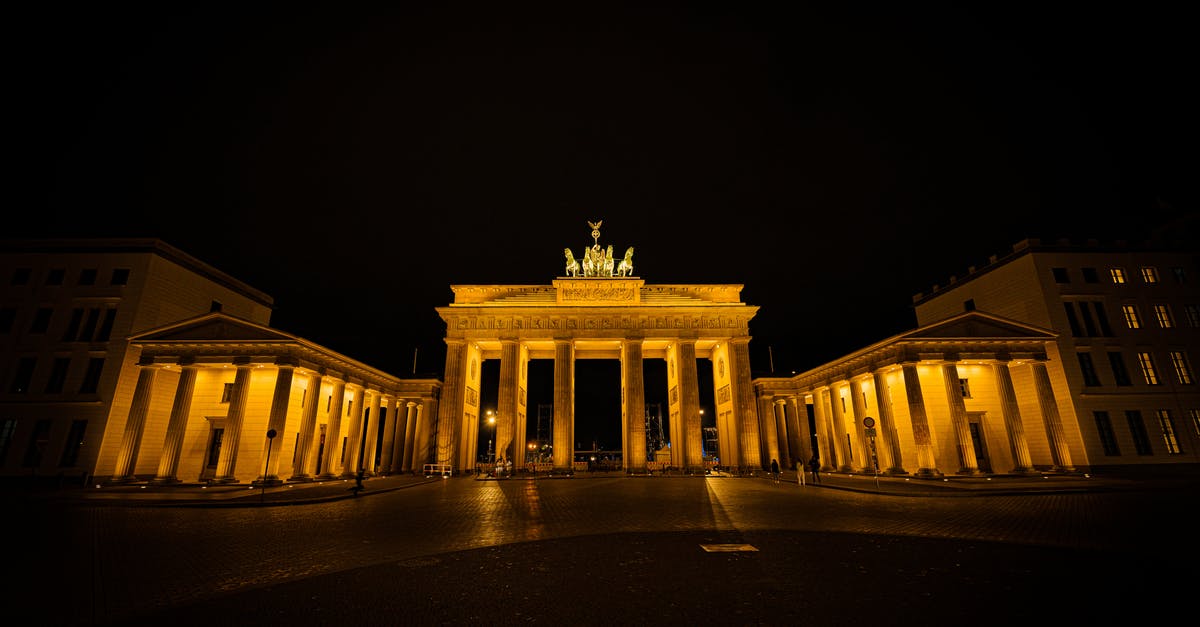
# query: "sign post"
[869,423]
[262,495]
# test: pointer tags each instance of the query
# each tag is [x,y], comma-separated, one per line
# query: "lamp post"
[491,418]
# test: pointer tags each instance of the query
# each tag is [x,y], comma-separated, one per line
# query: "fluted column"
[859,408]
[744,408]
[355,415]
[821,414]
[838,424]
[958,418]
[231,442]
[635,404]
[277,421]
[372,423]
[392,445]
[691,432]
[769,442]
[135,424]
[333,431]
[168,462]
[410,437]
[1014,426]
[798,431]
[564,405]
[927,466]
[450,411]
[428,436]
[507,438]
[1060,454]
[308,429]
[889,451]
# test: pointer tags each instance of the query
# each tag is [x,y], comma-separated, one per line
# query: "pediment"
[214,327]
[976,325]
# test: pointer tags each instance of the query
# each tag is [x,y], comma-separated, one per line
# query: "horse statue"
[608,262]
[572,264]
[625,268]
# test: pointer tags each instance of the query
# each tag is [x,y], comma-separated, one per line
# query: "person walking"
[775,470]
[800,473]
[814,465]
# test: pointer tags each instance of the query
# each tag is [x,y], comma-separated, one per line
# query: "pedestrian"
[358,482]
[800,474]
[775,470]
[814,465]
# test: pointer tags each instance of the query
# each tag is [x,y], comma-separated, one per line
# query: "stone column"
[858,405]
[958,418]
[838,424]
[277,421]
[690,432]
[507,438]
[354,448]
[1014,426]
[429,434]
[744,408]
[372,424]
[308,429]
[889,440]
[564,405]
[1060,454]
[410,437]
[450,410]
[798,433]
[135,424]
[769,442]
[168,462]
[333,432]
[821,414]
[227,461]
[779,411]
[927,466]
[635,404]
[393,437]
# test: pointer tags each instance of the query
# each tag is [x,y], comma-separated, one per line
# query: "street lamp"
[491,416]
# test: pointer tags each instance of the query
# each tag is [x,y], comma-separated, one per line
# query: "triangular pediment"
[977,325]
[213,327]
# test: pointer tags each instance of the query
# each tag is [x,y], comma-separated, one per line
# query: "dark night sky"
[354,163]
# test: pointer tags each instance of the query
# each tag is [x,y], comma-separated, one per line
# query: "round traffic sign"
[868,422]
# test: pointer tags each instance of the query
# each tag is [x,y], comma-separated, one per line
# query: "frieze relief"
[560,322]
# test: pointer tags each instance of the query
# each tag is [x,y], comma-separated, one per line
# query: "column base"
[269,482]
[926,473]
[895,472]
[223,480]
[164,481]
[305,478]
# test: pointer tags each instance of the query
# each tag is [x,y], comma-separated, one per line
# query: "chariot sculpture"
[597,261]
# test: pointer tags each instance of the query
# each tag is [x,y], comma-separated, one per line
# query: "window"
[1183,369]
[1102,319]
[214,306]
[1192,312]
[55,276]
[1088,324]
[1180,275]
[89,326]
[120,276]
[41,320]
[23,375]
[1146,360]
[227,393]
[7,316]
[1088,369]
[1072,319]
[1137,429]
[969,304]
[1108,438]
[37,444]
[58,375]
[74,443]
[1090,275]
[1149,274]
[20,276]
[87,276]
[72,331]
[1060,275]
[1162,313]
[1117,274]
[7,428]
[91,378]
[1194,413]
[965,386]
[1132,320]
[1167,425]
[110,316]
[1120,372]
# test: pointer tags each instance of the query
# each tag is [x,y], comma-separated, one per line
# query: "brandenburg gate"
[598,310]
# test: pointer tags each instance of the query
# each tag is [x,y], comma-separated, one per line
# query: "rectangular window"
[120,276]
[1180,275]
[965,386]
[20,276]
[1108,438]
[1162,313]
[110,316]
[37,444]
[1193,315]
[969,304]
[1183,368]
[1088,369]
[227,393]
[1060,275]
[23,375]
[1090,275]
[1120,372]
[72,332]
[1146,361]
[1089,325]
[58,375]
[1072,320]
[1167,424]
[1102,319]
[1132,320]
[1117,274]
[214,306]
[56,276]
[74,443]
[7,316]
[89,326]
[41,320]
[87,276]
[1194,413]
[1137,429]
[7,428]
[1149,274]
[91,378]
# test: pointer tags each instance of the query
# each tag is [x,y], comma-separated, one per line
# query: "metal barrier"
[434,470]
